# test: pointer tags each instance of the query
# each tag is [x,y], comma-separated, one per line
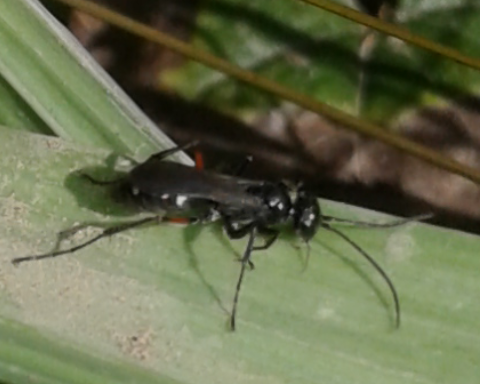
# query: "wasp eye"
[306,215]
[307,223]
[309,220]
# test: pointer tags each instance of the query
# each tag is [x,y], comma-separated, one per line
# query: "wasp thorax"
[277,202]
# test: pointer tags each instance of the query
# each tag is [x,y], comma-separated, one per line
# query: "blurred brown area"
[291,143]
[129,59]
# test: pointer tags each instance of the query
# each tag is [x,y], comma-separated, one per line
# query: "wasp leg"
[236,231]
[106,233]
[181,220]
[245,261]
[273,233]
[199,161]
[366,224]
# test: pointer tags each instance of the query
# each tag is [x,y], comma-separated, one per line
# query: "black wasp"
[178,193]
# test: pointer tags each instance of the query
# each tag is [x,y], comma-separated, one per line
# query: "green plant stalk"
[395,31]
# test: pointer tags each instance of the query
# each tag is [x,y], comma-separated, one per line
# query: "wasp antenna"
[366,224]
[240,168]
[168,152]
[106,233]
[379,269]
[245,261]
[19,260]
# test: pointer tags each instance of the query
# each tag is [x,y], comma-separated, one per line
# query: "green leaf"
[293,43]
[317,53]
[412,77]
[51,84]
[171,287]
[49,361]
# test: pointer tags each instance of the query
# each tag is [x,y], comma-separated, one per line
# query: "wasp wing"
[164,179]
